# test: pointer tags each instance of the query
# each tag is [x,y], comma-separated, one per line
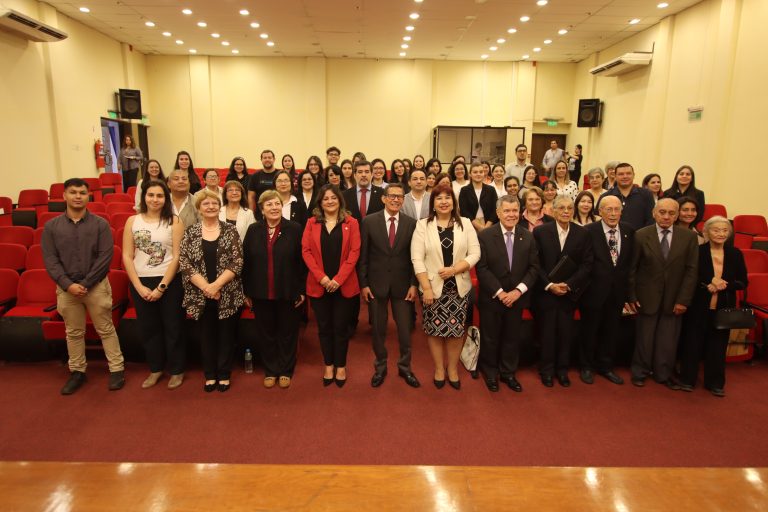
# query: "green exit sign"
[551,123]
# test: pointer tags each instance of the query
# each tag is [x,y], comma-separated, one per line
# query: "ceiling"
[445,29]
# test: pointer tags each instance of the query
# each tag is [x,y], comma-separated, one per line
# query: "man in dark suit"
[477,201]
[386,277]
[662,281]
[508,268]
[365,198]
[601,307]
[557,293]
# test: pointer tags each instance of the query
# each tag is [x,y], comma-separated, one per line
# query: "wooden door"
[540,145]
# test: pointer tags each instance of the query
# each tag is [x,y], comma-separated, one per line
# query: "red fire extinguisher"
[98,149]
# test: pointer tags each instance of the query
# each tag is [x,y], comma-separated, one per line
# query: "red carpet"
[598,425]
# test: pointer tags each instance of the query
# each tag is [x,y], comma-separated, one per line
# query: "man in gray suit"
[508,268]
[662,281]
[416,203]
[386,277]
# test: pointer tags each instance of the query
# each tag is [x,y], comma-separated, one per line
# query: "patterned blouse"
[228,257]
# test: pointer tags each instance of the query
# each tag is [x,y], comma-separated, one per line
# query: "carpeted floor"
[598,425]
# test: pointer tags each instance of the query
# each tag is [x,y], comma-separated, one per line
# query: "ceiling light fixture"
[511,31]
[150,24]
[525,18]
[526,56]
[235,51]
[255,25]
[402,54]
[537,49]
[270,43]
[244,12]
[562,31]
[418,1]
[225,43]
[264,35]
[409,28]
[202,24]
[85,10]
[414,15]
[407,38]
[484,56]
[167,34]
[663,5]
[501,40]
[179,41]
[493,48]
[542,3]
[215,35]
[192,50]
[404,46]
[634,21]
[186,11]
[547,41]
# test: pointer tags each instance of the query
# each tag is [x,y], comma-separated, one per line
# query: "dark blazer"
[606,277]
[734,272]
[289,271]
[308,207]
[578,247]
[386,270]
[658,283]
[373,201]
[468,203]
[493,270]
[299,212]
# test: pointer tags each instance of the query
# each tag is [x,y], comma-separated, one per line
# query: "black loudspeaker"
[589,113]
[130,103]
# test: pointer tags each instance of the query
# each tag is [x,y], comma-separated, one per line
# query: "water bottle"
[248,361]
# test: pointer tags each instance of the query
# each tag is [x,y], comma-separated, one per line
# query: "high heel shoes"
[327,382]
[455,384]
[439,383]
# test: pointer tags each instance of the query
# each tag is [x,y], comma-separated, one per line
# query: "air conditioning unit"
[624,64]
[29,28]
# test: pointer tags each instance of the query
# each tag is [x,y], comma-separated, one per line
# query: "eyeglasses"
[395,196]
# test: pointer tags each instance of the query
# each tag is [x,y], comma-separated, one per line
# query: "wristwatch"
[162,287]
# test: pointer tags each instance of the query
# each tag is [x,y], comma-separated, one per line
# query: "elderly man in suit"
[386,277]
[662,281]
[507,270]
[601,307]
[565,252]
[365,198]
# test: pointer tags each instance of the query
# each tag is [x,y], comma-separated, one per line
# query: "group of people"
[275,240]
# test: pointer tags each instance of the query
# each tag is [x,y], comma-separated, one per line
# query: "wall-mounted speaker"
[130,103]
[589,113]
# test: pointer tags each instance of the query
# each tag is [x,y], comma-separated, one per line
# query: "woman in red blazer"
[331,247]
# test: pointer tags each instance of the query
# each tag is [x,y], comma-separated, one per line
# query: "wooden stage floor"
[82,487]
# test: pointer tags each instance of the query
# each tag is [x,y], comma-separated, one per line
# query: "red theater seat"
[118,198]
[35,258]
[17,235]
[38,236]
[113,208]
[757,297]
[45,217]
[94,188]
[118,220]
[9,284]
[20,328]
[6,207]
[97,207]
[13,256]
[56,191]
[756,261]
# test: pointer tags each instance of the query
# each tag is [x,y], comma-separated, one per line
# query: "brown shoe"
[269,382]
[175,381]
[284,382]
[151,380]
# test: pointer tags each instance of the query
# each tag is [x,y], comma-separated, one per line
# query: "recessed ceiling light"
[179,41]
[235,51]
[414,15]
[511,30]
[484,56]
[270,43]
[525,18]
[547,41]
[407,38]
[150,24]
[562,31]
[402,54]
[215,35]
[526,56]
[537,49]
[663,5]
[244,12]
[167,34]
[542,3]
[409,28]
[255,25]
[187,11]
[225,43]
[404,46]
[418,1]
[634,21]
[501,40]
[85,10]
[202,24]
[192,50]
[264,35]
[493,48]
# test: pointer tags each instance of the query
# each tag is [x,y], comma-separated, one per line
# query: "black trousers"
[555,321]
[333,312]
[500,331]
[599,334]
[160,324]
[277,324]
[217,342]
[402,311]
[129,178]
[714,343]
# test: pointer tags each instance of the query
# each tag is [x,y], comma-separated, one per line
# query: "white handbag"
[471,349]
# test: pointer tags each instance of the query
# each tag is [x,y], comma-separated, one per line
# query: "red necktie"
[363,202]
[392,232]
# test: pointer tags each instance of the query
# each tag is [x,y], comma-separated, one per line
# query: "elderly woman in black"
[274,278]
[721,273]
[211,259]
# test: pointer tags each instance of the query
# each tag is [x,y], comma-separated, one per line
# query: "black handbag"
[736,317]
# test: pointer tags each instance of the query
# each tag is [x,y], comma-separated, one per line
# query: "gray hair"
[596,170]
[611,165]
[559,199]
[717,219]
[508,198]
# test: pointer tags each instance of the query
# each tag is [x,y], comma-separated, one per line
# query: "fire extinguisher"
[98,149]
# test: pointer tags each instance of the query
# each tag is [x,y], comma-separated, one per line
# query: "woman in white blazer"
[235,210]
[443,250]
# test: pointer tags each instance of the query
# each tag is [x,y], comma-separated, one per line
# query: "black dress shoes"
[513,384]
[547,380]
[492,384]
[327,382]
[409,378]
[638,381]
[378,379]
[116,380]
[672,384]
[439,383]
[223,387]
[587,377]
[612,377]
[209,388]
[564,380]
[718,392]
[340,382]
[685,387]
[455,384]
[76,379]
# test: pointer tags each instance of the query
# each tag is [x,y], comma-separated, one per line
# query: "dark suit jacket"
[578,247]
[659,284]
[605,277]
[386,270]
[308,207]
[290,273]
[299,213]
[373,200]
[734,272]
[468,204]
[493,270]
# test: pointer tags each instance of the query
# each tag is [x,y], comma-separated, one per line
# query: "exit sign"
[551,123]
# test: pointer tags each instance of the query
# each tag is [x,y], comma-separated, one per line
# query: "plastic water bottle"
[248,361]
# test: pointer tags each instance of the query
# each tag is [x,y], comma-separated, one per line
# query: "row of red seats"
[20,258]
